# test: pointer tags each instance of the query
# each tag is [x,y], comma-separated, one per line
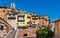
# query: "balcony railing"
[21,20]
[11,17]
[35,18]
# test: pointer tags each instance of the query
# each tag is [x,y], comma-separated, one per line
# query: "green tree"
[45,33]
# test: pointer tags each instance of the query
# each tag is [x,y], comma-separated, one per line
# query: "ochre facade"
[57,27]
[3,12]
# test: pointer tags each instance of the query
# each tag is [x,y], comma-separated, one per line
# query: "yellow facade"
[42,21]
[22,19]
[24,23]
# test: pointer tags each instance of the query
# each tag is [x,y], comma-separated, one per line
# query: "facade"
[29,19]
[34,20]
[44,20]
[12,18]
[22,18]
[26,33]
[52,25]
[3,11]
[57,27]
[5,28]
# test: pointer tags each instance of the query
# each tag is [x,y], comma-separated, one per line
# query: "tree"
[45,33]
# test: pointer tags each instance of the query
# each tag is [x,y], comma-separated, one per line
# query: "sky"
[41,7]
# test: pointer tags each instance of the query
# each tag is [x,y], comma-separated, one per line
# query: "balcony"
[11,17]
[21,16]
[35,18]
[21,20]
[34,15]
[28,22]
[29,17]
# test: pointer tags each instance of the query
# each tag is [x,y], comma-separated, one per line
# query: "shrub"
[45,33]
[22,27]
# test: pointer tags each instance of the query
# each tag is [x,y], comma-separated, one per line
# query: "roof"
[3,7]
[57,20]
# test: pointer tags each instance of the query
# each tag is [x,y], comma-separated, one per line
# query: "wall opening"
[25,35]
[1,28]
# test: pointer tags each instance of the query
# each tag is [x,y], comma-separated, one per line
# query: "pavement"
[12,34]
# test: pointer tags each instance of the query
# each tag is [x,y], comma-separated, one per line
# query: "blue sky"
[49,7]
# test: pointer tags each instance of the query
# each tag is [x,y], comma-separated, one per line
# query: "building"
[52,25]
[12,18]
[34,20]
[26,33]
[29,18]
[5,28]
[3,11]
[44,20]
[57,28]
[22,18]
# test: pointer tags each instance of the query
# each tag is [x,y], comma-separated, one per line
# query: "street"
[12,34]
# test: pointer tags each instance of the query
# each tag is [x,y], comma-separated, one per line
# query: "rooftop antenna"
[5,3]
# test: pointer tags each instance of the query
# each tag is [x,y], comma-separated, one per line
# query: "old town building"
[26,33]
[22,18]
[44,20]
[57,27]
[10,18]
[34,20]
[3,11]
[4,27]
[29,19]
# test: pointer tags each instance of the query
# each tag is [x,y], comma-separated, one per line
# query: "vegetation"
[45,33]
[22,27]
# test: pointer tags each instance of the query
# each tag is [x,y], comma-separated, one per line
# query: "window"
[21,22]
[10,16]
[35,18]
[21,18]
